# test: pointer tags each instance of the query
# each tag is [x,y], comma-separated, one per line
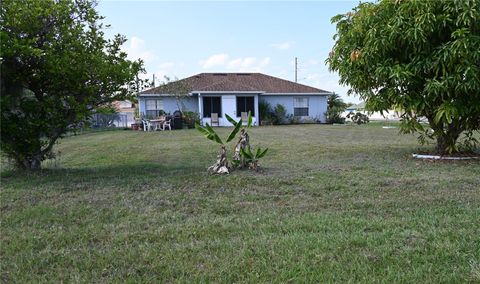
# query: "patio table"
[157,123]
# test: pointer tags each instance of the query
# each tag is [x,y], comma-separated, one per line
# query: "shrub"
[190,118]
[279,115]
[358,118]
[266,112]
[294,119]
[336,106]
[334,116]
[311,120]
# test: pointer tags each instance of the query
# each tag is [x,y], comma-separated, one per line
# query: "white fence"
[122,120]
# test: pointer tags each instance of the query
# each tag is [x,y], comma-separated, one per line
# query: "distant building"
[126,112]
[373,116]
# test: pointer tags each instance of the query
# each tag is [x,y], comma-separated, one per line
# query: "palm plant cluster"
[336,106]
[244,155]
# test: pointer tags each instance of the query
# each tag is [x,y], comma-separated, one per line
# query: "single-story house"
[234,93]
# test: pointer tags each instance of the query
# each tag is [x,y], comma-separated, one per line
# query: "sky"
[184,38]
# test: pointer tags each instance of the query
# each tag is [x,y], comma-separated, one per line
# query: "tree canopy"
[420,56]
[56,68]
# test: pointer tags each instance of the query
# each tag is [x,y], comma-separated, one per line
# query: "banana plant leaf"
[234,131]
[260,154]
[246,154]
[201,129]
[231,120]
[250,120]
[209,133]
[214,134]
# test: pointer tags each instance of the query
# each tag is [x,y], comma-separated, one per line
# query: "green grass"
[332,204]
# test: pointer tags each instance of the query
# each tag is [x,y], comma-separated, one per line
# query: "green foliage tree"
[335,107]
[420,56]
[56,68]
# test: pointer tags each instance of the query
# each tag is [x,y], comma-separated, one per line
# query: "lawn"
[332,204]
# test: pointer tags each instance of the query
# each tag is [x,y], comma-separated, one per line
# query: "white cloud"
[283,45]
[136,42]
[265,62]
[135,48]
[166,65]
[241,64]
[215,60]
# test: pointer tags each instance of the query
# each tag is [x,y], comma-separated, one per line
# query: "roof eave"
[227,92]
[159,95]
[299,93]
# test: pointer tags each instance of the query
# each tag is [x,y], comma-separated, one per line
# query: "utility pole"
[296,63]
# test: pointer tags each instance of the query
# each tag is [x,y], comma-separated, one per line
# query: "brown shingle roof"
[247,82]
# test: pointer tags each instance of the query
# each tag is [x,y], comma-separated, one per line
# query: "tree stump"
[221,165]
[243,143]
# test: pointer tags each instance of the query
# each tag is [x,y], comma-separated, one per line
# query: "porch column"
[200,108]
[256,100]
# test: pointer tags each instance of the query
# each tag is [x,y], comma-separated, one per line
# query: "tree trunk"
[221,165]
[243,143]
[29,164]
[33,162]
[447,139]
[446,142]
[445,134]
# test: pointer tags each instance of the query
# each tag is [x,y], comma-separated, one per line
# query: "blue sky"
[180,39]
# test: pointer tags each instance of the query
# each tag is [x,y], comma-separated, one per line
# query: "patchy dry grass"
[333,204]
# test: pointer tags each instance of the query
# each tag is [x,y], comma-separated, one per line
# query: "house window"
[300,106]
[212,105]
[153,108]
[245,104]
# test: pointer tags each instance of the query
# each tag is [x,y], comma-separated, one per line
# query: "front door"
[229,106]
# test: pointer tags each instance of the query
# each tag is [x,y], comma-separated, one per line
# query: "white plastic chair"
[167,124]
[146,125]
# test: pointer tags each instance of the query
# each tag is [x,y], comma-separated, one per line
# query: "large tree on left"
[56,67]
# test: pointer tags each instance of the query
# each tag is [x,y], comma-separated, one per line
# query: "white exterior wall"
[229,106]
[170,103]
[317,104]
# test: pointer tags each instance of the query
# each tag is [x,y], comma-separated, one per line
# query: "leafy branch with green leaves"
[418,56]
